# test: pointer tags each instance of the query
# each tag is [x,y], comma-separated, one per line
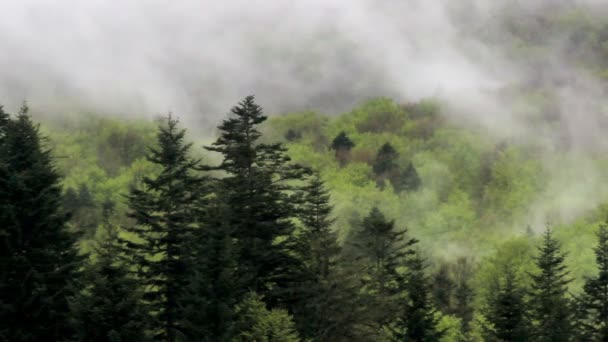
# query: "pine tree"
[385,160]
[419,319]
[379,251]
[410,180]
[506,311]
[595,293]
[342,146]
[164,211]
[550,307]
[213,290]
[258,202]
[109,307]
[326,301]
[443,289]
[463,293]
[39,261]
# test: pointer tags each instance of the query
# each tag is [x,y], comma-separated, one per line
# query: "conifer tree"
[164,211]
[506,311]
[443,289]
[385,160]
[39,261]
[342,146]
[326,300]
[213,290]
[410,179]
[550,307]
[419,319]
[595,293]
[258,200]
[379,250]
[109,307]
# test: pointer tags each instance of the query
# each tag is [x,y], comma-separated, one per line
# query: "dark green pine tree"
[410,181]
[506,312]
[378,251]
[419,318]
[443,289]
[213,290]
[550,307]
[385,160]
[109,308]
[39,260]
[342,146]
[595,295]
[257,196]
[164,211]
[325,303]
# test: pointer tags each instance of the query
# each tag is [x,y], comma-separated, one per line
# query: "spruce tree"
[164,211]
[419,319]
[109,307]
[213,290]
[410,180]
[342,146]
[258,198]
[506,311]
[325,301]
[39,261]
[443,289]
[550,307]
[595,293]
[378,250]
[385,160]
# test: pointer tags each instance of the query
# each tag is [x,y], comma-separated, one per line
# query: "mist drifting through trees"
[407,170]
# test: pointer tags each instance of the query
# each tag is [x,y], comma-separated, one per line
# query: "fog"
[197,58]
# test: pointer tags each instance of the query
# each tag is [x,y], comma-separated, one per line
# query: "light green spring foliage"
[479,197]
[258,324]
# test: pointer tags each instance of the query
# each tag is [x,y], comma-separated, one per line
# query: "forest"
[336,211]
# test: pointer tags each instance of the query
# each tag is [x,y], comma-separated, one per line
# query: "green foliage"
[257,324]
[109,308]
[164,215]
[550,308]
[593,316]
[419,320]
[257,195]
[379,253]
[506,310]
[39,262]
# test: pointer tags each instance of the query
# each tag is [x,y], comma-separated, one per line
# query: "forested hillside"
[367,203]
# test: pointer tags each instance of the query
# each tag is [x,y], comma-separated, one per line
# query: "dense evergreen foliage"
[255,249]
[39,261]
[165,216]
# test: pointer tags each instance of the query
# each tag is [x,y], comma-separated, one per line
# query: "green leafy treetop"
[164,211]
[39,260]
[255,323]
[550,307]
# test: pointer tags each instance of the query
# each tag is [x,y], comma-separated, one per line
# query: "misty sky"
[199,57]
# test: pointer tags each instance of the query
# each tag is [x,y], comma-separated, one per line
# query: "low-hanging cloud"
[199,57]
